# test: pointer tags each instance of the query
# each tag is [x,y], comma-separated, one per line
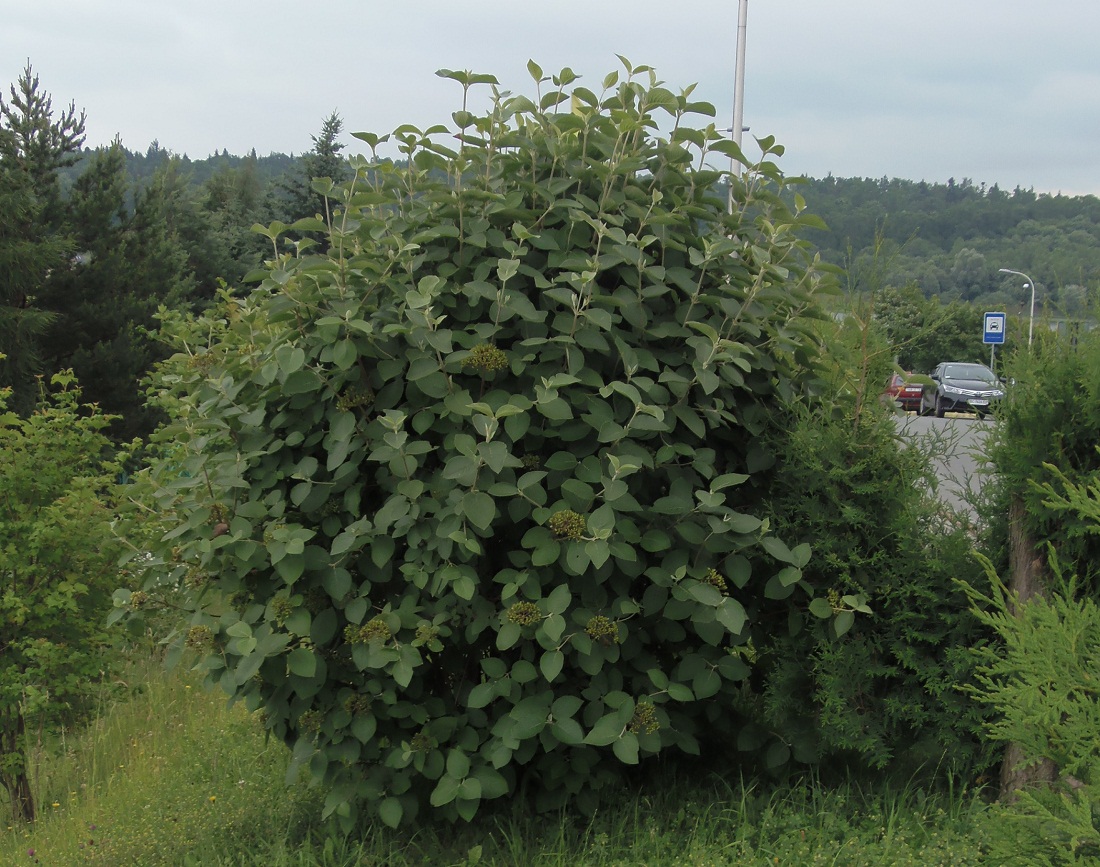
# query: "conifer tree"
[34,146]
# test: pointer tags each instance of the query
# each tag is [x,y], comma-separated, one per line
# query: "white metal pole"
[738,88]
[739,75]
[1031,319]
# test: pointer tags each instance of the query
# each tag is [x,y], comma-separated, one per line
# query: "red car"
[906,393]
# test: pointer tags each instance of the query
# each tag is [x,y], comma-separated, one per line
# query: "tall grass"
[169,770]
[172,776]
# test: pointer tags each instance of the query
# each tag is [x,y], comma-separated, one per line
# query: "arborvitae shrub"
[474,495]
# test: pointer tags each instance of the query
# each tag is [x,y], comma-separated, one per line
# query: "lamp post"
[739,85]
[1031,319]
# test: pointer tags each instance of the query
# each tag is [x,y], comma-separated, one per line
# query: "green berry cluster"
[425,634]
[715,579]
[524,614]
[644,720]
[487,358]
[567,524]
[138,599]
[374,629]
[200,637]
[281,609]
[269,532]
[354,397]
[310,721]
[358,704]
[422,742]
[531,462]
[202,362]
[195,578]
[602,629]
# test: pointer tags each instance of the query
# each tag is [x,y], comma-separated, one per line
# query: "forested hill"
[948,239]
[951,239]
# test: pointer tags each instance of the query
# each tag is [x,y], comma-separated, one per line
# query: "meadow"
[168,775]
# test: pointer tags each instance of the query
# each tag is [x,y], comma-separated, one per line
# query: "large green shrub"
[470,503]
[880,690]
[57,571]
[1046,430]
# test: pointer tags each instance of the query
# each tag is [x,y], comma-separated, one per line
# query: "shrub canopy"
[470,499]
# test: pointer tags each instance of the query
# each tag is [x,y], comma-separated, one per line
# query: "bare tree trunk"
[13,766]
[1027,571]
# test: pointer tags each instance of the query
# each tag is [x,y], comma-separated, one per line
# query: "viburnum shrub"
[465,502]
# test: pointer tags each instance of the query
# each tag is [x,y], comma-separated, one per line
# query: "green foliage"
[163,773]
[136,788]
[1045,439]
[950,239]
[33,147]
[883,688]
[57,571]
[452,501]
[1041,681]
[924,332]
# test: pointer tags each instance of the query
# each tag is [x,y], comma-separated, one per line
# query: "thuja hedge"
[466,496]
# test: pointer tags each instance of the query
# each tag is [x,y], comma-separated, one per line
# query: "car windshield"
[969,371]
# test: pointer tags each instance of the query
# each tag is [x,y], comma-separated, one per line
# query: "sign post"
[994,333]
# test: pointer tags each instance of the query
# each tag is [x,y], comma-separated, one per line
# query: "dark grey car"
[961,387]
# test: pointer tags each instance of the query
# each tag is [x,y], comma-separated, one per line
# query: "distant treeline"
[951,239]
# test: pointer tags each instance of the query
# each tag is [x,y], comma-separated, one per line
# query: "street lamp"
[1031,320]
[739,86]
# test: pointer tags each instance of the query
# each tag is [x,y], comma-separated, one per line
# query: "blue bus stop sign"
[994,328]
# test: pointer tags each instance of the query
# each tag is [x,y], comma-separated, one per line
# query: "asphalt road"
[955,446]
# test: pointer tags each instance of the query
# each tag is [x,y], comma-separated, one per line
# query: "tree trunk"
[1027,570]
[13,768]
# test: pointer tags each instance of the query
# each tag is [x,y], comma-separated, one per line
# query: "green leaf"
[821,608]
[302,662]
[844,621]
[390,812]
[480,508]
[626,749]
[551,664]
[606,730]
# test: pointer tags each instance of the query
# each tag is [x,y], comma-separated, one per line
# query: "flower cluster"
[358,704]
[422,742]
[835,601]
[195,578]
[310,721]
[374,629]
[201,362]
[425,634]
[524,614]
[644,720]
[138,599]
[602,629]
[354,397]
[281,609]
[715,579]
[200,637]
[567,524]
[487,358]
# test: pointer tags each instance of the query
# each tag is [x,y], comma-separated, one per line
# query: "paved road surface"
[955,444]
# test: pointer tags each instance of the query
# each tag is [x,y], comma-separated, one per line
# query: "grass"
[172,776]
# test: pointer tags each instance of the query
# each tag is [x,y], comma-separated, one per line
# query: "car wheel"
[941,406]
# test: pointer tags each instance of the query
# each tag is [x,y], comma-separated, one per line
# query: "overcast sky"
[998,91]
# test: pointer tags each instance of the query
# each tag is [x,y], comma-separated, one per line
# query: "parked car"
[961,387]
[902,389]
